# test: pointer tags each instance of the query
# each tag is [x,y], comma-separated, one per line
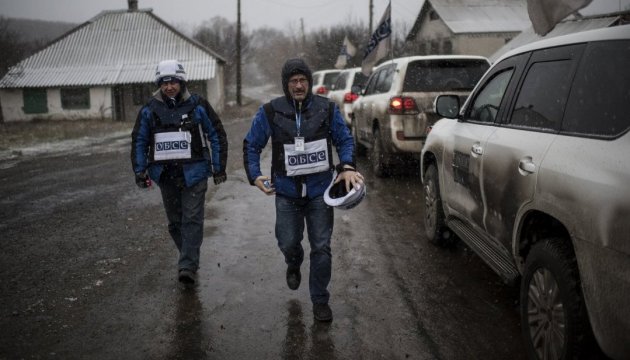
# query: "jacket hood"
[292,67]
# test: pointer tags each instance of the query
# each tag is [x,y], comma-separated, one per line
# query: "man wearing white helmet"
[178,141]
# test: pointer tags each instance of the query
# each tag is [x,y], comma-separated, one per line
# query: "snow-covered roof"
[114,47]
[568,26]
[477,16]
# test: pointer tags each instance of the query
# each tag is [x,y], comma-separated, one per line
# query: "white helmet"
[169,68]
[337,196]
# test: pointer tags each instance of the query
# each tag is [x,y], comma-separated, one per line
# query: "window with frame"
[599,103]
[75,98]
[486,105]
[384,82]
[35,101]
[371,85]
[341,82]
[543,95]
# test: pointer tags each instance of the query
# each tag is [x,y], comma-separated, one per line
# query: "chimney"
[133,5]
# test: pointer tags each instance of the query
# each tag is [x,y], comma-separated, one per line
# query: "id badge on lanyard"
[299,143]
[299,140]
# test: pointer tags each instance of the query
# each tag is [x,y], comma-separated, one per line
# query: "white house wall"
[13,102]
[480,44]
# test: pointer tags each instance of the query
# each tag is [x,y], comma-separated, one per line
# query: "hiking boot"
[322,312]
[293,277]
[187,277]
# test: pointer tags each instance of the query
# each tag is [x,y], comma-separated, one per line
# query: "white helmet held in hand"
[169,69]
[337,196]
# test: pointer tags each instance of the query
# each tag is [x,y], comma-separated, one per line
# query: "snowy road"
[88,271]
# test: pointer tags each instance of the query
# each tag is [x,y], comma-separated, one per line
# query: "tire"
[360,150]
[435,227]
[554,321]
[377,155]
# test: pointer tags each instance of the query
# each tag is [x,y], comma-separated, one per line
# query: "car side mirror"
[447,106]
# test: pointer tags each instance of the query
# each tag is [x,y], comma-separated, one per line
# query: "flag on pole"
[347,51]
[545,14]
[380,42]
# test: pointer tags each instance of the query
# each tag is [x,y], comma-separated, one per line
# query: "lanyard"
[298,117]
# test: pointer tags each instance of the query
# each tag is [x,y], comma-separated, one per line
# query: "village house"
[466,27]
[105,69]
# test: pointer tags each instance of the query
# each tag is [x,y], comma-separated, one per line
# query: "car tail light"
[403,105]
[350,97]
[321,90]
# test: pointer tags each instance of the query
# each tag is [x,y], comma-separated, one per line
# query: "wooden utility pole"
[371,14]
[238,54]
[303,40]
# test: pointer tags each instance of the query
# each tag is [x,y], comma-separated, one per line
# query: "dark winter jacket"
[202,113]
[317,119]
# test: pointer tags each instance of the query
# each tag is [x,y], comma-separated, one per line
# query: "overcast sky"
[281,14]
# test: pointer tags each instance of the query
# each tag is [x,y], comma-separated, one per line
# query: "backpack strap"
[269,112]
[331,113]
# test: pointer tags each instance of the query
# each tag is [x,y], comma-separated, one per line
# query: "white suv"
[395,111]
[534,176]
[346,90]
[323,81]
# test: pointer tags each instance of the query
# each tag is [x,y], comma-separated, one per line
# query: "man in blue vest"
[172,141]
[303,129]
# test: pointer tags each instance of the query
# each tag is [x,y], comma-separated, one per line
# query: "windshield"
[443,75]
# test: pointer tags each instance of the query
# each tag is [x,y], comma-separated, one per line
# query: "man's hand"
[142,180]
[351,178]
[219,177]
[265,185]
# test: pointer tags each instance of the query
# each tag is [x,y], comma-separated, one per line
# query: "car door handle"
[477,149]
[527,165]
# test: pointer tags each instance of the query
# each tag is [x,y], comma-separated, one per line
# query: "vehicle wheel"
[359,148]
[434,222]
[553,315]
[377,155]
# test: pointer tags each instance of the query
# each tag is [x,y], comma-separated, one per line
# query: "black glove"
[142,180]
[219,177]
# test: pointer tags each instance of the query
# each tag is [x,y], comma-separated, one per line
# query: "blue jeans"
[185,211]
[290,216]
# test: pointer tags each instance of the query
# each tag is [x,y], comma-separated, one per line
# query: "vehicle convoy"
[395,110]
[346,90]
[533,174]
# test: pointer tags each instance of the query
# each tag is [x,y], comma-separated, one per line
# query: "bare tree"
[219,35]
[11,48]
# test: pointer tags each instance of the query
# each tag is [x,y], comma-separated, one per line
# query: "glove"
[142,180]
[219,177]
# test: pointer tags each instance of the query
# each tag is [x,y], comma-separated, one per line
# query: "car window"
[599,103]
[329,79]
[369,89]
[443,75]
[486,105]
[541,101]
[384,82]
[359,79]
[341,82]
